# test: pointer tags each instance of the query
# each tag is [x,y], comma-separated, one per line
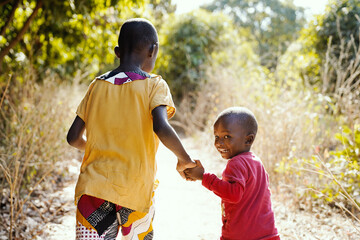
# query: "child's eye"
[216,137]
[227,136]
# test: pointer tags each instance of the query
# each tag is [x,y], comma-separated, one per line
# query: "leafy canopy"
[274,24]
[63,36]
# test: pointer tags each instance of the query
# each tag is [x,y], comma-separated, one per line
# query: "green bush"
[190,43]
[345,163]
[335,176]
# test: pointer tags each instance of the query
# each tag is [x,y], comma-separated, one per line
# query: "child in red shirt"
[244,187]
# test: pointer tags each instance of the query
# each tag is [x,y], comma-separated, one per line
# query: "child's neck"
[131,68]
[128,68]
[131,63]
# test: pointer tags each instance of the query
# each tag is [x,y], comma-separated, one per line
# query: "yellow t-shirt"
[119,161]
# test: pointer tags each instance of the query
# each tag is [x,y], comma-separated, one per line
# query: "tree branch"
[4,3]
[11,17]
[20,35]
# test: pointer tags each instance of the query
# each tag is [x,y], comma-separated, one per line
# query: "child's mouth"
[221,151]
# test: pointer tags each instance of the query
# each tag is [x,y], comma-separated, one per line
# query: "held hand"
[196,173]
[182,165]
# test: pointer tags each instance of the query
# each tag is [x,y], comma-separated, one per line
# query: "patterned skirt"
[100,219]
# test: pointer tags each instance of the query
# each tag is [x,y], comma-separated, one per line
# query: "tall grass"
[345,91]
[34,117]
[289,118]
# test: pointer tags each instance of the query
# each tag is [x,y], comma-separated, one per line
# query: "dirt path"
[187,211]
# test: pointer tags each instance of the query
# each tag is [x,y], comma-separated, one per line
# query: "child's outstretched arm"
[170,139]
[229,191]
[75,135]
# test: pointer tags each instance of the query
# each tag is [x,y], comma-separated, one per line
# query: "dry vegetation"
[34,119]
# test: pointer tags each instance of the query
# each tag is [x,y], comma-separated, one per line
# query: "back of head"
[135,35]
[242,116]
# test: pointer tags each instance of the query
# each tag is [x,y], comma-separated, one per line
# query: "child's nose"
[219,142]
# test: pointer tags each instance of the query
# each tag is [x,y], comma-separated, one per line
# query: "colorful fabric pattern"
[100,219]
[84,233]
[122,77]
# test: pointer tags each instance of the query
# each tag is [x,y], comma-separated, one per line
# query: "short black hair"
[243,116]
[135,35]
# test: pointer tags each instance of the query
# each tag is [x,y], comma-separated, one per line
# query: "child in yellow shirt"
[125,112]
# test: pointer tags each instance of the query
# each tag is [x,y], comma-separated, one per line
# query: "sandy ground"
[187,211]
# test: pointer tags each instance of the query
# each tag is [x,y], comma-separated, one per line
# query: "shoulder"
[247,157]
[97,78]
[156,82]
[156,78]
[252,163]
[241,159]
[243,162]
[236,167]
[105,76]
[255,160]
[91,86]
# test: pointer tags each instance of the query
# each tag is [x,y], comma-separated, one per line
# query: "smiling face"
[231,138]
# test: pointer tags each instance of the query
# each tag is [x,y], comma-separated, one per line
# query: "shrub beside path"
[187,211]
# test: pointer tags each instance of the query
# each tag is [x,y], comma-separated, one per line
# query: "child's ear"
[153,49]
[249,139]
[117,51]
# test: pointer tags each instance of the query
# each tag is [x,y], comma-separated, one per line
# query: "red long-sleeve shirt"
[245,199]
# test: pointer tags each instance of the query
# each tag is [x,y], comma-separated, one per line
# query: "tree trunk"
[20,35]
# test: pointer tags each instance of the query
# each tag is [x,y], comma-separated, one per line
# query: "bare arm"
[75,135]
[170,139]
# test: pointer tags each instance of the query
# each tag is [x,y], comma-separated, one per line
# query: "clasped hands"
[191,171]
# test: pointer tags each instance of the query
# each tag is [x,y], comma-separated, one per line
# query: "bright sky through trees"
[313,7]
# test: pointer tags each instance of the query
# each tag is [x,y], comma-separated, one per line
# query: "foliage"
[337,173]
[274,24]
[348,159]
[191,41]
[61,35]
[334,75]
[158,10]
[301,62]
[332,41]
[341,21]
